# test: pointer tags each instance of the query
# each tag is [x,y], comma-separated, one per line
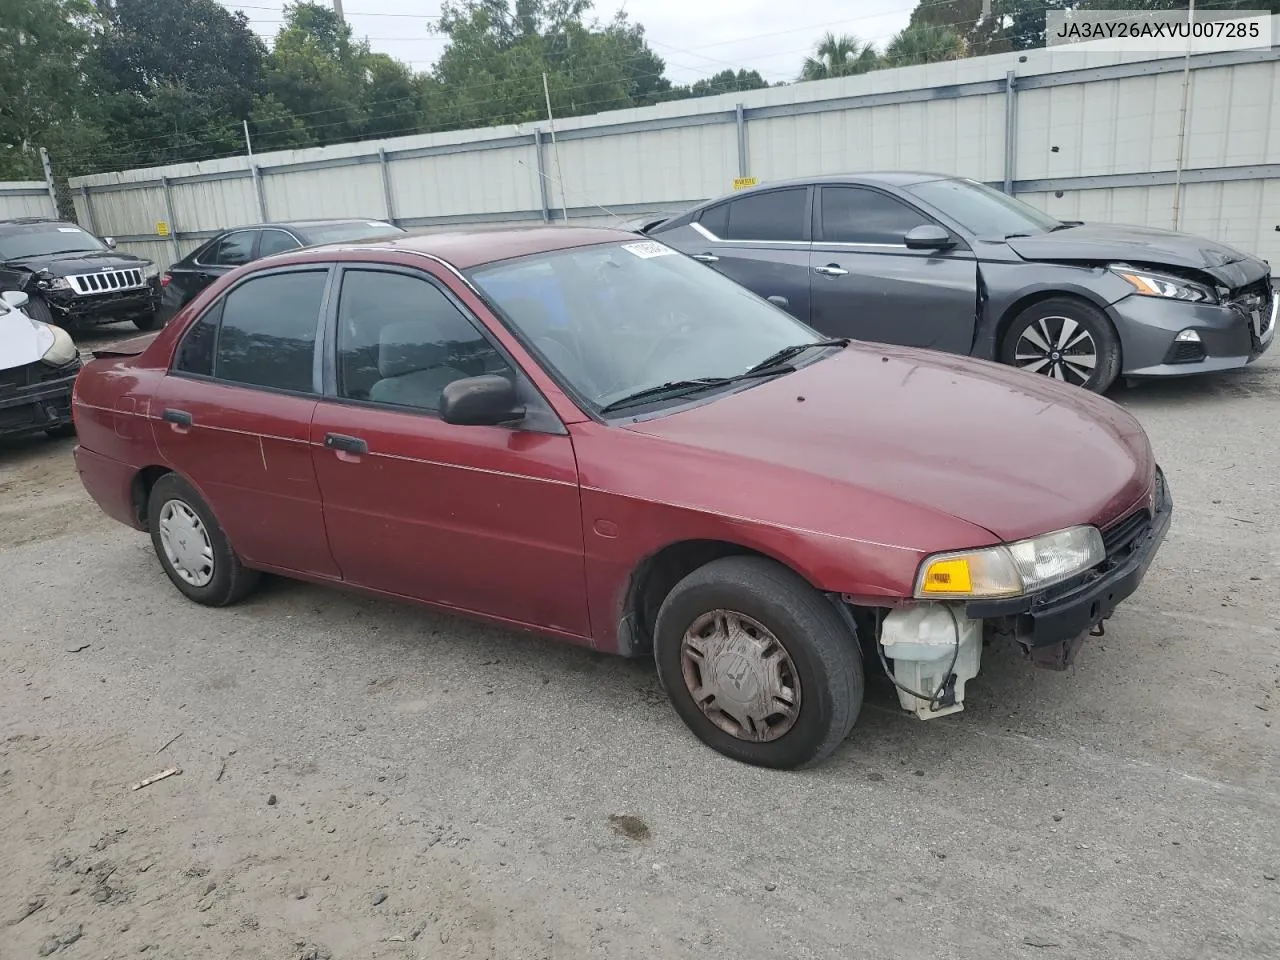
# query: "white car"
[38,367]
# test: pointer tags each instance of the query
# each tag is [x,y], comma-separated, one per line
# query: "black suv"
[75,280]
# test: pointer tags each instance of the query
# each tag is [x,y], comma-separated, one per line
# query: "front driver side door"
[482,519]
[868,285]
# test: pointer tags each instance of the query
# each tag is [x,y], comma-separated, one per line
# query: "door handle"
[706,258]
[179,418]
[831,270]
[345,444]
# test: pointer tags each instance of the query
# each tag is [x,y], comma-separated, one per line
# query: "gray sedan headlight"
[1149,284]
[1011,569]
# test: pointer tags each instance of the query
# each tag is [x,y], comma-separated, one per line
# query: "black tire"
[231,580]
[823,651]
[1054,317]
[152,321]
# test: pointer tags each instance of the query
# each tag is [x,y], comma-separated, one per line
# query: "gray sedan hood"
[1108,243]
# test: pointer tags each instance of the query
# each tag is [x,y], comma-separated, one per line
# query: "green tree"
[174,79]
[923,43]
[43,102]
[839,56]
[316,72]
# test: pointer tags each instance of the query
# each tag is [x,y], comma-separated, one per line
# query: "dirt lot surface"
[364,780]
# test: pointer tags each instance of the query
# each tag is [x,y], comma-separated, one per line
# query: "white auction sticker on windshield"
[647,249]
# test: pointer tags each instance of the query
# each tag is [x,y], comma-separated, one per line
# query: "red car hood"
[1011,452]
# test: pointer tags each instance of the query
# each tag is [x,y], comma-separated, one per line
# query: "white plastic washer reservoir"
[921,641]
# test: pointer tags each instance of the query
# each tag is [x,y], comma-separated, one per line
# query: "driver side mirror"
[110,242]
[928,236]
[487,401]
[15,299]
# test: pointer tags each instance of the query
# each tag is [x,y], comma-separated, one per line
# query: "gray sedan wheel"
[191,546]
[1064,339]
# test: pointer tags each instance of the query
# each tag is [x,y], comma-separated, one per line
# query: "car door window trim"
[316,381]
[807,221]
[768,243]
[219,241]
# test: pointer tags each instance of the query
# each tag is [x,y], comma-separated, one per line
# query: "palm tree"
[840,56]
[923,43]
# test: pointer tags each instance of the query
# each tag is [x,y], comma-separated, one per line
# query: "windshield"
[360,230]
[45,239]
[981,210]
[619,318]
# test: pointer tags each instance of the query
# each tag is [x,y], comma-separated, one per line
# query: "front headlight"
[1148,284]
[63,349]
[150,271]
[54,283]
[1012,569]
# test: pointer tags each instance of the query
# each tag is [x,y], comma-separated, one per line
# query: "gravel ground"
[365,780]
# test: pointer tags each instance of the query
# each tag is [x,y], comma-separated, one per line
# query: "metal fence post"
[542,176]
[168,215]
[262,195]
[1010,129]
[48,179]
[741,119]
[88,210]
[387,198]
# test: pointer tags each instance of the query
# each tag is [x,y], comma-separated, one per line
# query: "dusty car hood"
[1100,243]
[69,264]
[1011,452]
[22,340]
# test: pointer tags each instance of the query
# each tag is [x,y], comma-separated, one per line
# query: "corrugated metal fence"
[1084,134]
[26,198]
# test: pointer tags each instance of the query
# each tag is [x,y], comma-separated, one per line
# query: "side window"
[776,215]
[268,332]
[716,220]
[195,352]
[401,341]
[232,250]
[276,241]
[856,215]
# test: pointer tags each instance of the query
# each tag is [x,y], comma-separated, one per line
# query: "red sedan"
[572,431]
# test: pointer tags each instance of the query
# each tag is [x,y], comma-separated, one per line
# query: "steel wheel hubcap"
[740,676]
[186,543]
[1057,347]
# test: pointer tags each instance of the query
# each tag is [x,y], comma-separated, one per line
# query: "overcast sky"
[696,39]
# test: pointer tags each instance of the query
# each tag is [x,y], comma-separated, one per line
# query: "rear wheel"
[758,664]
[1064,339]
[192,548]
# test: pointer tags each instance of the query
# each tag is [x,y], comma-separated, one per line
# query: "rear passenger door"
[760,240]
[234,412]
[867,284]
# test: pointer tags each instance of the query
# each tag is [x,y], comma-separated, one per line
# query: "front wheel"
[758,664]
[1064,339]
[150,321]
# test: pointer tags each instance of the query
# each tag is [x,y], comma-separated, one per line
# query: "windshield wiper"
[680,388]
[1066,225]
[793,351]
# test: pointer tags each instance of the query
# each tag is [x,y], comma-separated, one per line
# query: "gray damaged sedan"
[926,260]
